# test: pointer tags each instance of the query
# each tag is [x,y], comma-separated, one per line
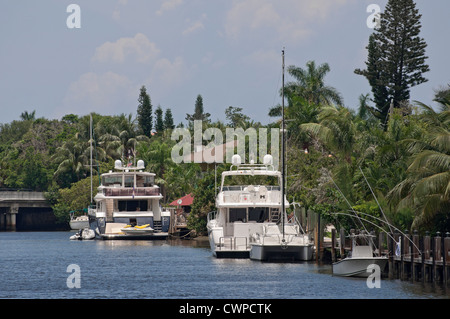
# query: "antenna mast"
[283,177]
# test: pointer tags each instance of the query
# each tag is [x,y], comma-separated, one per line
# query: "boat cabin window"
[145,181]
[254,214]
[258,214]
[132,205]
[238,214]
[111,180]
[129,180]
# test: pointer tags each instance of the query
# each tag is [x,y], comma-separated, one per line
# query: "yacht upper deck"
[128,181]
[250,185]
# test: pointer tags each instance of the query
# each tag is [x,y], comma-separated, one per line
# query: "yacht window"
[133,205]
[112,180]
[238,214]
[144,181]
[258,214]
[129,180]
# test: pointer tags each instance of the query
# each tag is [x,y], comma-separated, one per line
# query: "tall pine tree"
[198,111]
[144,111]
[168,120]
[159,122]
[396,56]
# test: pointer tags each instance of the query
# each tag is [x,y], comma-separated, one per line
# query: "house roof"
[183,201]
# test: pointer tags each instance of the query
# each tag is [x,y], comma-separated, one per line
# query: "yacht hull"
[281,252]
[153,236]
[236,254]
[79,224]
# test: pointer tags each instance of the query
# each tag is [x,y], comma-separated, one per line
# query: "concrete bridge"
[25,210]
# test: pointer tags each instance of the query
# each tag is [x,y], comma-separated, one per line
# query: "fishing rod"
[384,221]
[370,222]
[348,203]
[373,194]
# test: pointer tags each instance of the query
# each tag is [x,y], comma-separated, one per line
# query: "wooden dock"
[410,257]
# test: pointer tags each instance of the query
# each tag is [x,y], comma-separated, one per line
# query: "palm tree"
[72,160]
[426,187]
[336,135]
[310,85]
[119,136]
[335,130]
[309,92]
[157,156]
[25,116]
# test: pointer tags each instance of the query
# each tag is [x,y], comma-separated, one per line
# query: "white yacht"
[249,220]
[282,238]
[128,205]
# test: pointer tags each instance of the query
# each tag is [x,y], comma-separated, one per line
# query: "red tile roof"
[183,201]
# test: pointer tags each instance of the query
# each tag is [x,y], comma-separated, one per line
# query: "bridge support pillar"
[11,218]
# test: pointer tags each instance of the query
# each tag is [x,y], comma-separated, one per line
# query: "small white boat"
[83,234]
[78,222]
[359,259]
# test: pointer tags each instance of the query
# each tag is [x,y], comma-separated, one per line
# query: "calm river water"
[36,265]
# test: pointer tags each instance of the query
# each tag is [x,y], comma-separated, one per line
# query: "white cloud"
[139,48]
[104,93]
[195,26]
[168,5]
[166,75]
[290,19]
[119,69]
[263,57]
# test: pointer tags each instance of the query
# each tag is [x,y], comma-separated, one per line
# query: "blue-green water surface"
[34,265]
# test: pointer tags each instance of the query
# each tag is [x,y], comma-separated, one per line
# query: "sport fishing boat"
[128,205]
[360,258]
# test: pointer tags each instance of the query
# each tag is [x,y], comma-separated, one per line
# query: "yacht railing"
[241,188]
[92,209]
[139,191]
[233,245]
[211,216]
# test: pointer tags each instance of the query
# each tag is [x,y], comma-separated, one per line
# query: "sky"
[228,51]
